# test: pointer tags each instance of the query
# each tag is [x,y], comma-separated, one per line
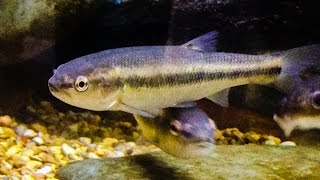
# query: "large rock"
[230,162]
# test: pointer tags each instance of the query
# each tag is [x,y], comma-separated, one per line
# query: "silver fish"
[143,80]
[180,132]
[300,109]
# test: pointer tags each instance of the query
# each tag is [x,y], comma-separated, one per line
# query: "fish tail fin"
[294,62]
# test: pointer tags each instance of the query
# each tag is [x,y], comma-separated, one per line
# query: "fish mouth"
[52,87]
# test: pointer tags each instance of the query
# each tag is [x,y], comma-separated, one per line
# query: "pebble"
[31,165]
[29,133]
[5,120]
[85,140]
[288,144]
[67,150]
[92,155]
[44,170]
[38,140]
[270,142]
[6,132]
[20,129]
[40,128]
[27,177]
[13,150]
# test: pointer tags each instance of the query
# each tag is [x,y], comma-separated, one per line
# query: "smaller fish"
[181,132]
[300,109]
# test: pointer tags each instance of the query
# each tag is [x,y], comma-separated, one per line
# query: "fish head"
[187,133]
[300,109]
[81,84]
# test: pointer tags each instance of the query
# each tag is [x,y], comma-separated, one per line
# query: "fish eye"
[316,100]
[81,83]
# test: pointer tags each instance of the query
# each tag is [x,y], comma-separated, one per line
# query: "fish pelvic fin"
[132,110]
[221,97]
[204,43]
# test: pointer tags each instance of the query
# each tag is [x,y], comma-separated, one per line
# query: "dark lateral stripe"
[191,78]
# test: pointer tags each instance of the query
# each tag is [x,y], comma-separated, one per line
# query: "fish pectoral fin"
[185,104]
[204,43]
[132,110]
[221,97]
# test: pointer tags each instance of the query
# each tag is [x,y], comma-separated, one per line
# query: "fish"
[145,79]
[185,132]
[300,109]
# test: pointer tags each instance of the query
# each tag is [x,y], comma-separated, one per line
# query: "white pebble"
[20,130]
[44,170]
[67,150]
[118,154]
[29,133]
[288,144]
[92,155]
[85,140]
[7,165]
[270,142]
[38,140]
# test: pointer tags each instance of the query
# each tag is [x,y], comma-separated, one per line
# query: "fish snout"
[51,85]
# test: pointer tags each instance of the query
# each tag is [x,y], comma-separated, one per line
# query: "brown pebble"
[47,106]
[39,128]
[5,121]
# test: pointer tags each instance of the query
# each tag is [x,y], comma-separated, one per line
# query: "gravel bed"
[51,139]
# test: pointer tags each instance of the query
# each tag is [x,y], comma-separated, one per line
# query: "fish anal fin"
[132,110]
[185,104]
[221,97]
[204,43]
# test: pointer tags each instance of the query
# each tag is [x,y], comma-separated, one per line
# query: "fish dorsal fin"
[204,43]
[221,97]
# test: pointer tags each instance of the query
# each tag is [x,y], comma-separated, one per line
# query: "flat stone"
[229,162]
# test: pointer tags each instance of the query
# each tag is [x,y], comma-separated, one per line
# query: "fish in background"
[143,80]
[181,132]
[300,109]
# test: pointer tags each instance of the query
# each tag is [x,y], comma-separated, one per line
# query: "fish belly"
[145,98]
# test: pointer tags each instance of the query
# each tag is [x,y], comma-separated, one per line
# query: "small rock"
[38,140]
[288,144]
[29,133]
[33,165]
[20,129]
[27,177]
[44,170]
[67,150]
[6,133]
[92,155]
[270,142]
[40,128]
[85,140]
[55,149]
[5,120]
[253,137]
[47,157]
[6,165]
[109,141]
[47,106]
[13,150]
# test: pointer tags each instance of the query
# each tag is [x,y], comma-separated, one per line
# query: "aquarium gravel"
[34,148]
